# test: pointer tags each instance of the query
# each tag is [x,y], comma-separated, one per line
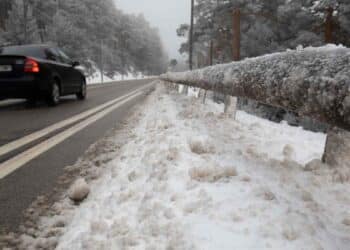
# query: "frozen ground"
[189,177]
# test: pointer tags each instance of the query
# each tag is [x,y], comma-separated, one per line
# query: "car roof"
[34,46]
[32,50]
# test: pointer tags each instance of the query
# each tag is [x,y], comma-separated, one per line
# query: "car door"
[59,68]
[74,75]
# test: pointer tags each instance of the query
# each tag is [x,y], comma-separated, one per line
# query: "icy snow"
[192,178]
[79,190]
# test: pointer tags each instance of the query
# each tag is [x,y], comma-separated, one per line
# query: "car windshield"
[23,51]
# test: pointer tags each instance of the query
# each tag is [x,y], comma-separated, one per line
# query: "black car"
[39,71]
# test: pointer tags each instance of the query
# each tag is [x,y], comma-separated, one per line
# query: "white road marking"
[108,84]
[18,161]
[11,102]
[41,133]
[101,85]
[97,86]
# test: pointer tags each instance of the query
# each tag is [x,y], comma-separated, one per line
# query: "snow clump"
[79,190]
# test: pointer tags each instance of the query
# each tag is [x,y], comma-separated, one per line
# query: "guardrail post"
[230,106]
[185,90]
[337,150]
[204,96]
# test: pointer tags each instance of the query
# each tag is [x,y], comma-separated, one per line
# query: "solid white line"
[11,102]
[18,161]
[37,135]
[43,132]
[105,84]
[109,84]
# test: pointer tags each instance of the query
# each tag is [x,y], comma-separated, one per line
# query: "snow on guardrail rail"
[312,82]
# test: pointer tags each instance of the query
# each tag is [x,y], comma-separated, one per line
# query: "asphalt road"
[22,179]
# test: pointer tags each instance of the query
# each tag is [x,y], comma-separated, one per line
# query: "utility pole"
[231,102]
[185,88]
[191,36]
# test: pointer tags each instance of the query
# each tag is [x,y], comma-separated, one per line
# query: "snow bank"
[192,178]
[313,81]
[96,78]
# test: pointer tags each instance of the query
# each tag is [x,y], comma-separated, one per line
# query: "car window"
[51,54]
[30,51]
[64,57]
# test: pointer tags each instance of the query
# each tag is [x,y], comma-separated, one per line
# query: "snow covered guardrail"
[312,82]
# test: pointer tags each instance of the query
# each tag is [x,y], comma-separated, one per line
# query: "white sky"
[166,15]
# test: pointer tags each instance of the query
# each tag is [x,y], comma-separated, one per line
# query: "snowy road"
[37,143]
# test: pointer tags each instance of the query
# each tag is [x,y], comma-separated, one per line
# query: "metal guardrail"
[312,82]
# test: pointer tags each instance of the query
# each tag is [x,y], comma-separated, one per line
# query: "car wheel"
[53,98]
[81,95]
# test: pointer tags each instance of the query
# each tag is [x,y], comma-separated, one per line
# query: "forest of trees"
[94,32]
[266,26]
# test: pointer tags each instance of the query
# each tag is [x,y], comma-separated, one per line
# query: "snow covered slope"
[191,178]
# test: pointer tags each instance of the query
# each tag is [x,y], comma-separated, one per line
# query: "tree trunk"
[211,52]
[25,21]
[329,26]
[236,35]
[337,151]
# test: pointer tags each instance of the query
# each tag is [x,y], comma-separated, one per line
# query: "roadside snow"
[96,78]
[191,178]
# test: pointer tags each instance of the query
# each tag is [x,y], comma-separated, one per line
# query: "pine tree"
[93,32]
[21,26]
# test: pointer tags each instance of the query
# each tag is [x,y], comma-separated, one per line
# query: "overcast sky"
[166,15]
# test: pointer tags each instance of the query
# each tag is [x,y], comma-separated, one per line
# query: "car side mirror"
[75,64]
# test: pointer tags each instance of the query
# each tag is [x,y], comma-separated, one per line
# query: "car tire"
[53,99]
[81,95]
